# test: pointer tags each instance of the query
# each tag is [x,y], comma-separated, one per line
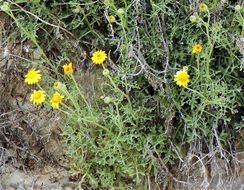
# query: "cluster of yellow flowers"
[34,76]
[39,96]
[182,78]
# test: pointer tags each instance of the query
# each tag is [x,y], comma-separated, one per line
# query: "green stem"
[33,39]
[115,86]
[196,92]
[242,31]
[198,68]
[80,93]
[74,102]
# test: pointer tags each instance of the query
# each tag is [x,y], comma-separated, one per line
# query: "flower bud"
[185,68]
[238,8]
[107,100]
[121,11]
[111,19]
[106,72]
[56,85]
[193,18]
[77,9]
[59,86]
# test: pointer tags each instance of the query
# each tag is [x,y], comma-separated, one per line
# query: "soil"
[31,153]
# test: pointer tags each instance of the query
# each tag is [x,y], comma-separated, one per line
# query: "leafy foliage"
[143,119]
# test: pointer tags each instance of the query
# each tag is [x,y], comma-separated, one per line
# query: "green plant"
[137,123]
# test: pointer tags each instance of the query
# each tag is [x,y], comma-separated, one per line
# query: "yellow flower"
[197,48]
[68,69]
[203,7]
[111,19]
[56,100]
[38,97]
[33,76]
[182,78]
[99,57]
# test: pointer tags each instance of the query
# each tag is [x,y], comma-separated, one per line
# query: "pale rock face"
[12,179]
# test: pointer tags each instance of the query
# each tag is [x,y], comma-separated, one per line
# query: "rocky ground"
[49,178]
[31,153]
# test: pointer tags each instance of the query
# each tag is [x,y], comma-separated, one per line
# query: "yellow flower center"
[183,77]
[56,99]
[197,48]
[32,74]
[37,95]
[67,69]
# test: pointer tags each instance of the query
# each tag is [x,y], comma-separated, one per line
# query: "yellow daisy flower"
[197,48]
[99,57]
[38,97]
[56,100]
[33,76]
[182,78]
[68,69]
[203,7]
[111,19]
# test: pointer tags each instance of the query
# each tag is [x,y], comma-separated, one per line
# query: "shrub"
[138,121]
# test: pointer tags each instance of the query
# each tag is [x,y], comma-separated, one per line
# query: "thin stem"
[32,38]
[115,86]
[80,93]
[242,31]
[196,92]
